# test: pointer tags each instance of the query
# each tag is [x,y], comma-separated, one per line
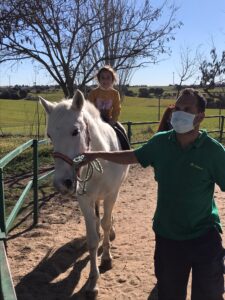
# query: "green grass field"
[21,117]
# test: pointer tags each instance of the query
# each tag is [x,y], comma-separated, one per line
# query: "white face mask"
[182,122]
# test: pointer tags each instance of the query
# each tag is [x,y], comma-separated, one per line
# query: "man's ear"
[199,118]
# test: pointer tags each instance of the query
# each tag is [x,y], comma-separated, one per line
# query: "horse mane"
[88,106]
[93,111]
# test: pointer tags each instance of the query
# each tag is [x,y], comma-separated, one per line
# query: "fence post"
[129,131]
[221,128]
[35,180]
[2,202]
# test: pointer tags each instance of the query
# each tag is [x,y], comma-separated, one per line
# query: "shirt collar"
[103,89]
[197,143]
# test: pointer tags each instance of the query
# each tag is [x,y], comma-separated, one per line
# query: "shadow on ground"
[153,294]
[42,282]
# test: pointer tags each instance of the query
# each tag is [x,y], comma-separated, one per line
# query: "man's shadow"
[47,281]
[153,294]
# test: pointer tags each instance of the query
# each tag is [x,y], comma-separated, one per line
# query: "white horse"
[75,126]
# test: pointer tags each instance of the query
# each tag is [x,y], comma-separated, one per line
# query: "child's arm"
[91,97]
[116,107]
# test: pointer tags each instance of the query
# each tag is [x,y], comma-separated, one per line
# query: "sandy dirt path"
[50,261]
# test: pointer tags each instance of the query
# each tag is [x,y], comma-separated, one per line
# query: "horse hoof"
[92,295]
[106,265]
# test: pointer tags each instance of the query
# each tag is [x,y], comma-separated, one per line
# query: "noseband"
[63,157]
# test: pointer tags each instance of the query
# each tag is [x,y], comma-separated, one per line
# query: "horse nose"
[68,183]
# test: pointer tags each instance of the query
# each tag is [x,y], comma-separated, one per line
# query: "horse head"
[69,134]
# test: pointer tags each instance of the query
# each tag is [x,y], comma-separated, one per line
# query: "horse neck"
[102,136]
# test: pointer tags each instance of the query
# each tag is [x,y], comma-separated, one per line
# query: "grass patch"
[23,116]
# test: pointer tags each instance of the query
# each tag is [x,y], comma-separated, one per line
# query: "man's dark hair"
[192,92]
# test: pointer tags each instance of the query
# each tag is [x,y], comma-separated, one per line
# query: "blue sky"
[203,25]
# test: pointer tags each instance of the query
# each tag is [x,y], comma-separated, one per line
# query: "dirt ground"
[51,262]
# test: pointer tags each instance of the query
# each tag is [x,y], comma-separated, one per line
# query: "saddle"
[122,136]
[120,131]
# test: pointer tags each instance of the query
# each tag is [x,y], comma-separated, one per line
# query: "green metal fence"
[136,139]
[7,291]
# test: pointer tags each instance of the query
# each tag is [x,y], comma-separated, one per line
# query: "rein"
[91,166]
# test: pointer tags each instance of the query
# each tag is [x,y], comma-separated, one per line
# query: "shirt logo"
[104,104]
[196,166]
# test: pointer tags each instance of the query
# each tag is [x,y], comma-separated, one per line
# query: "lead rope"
[91,166]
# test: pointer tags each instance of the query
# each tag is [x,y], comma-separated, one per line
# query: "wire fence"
[34,126]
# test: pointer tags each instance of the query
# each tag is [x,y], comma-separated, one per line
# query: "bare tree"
[189,66]
[72,39]
[213,71]
[131,35]
[212,76]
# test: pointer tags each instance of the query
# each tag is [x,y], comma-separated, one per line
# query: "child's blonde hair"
[108,69]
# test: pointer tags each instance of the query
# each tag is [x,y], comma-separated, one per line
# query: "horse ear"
[78,100]
[48,106]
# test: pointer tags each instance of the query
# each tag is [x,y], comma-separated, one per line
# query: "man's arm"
[120,157]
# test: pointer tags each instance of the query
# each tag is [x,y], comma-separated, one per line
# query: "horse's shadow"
[47,281]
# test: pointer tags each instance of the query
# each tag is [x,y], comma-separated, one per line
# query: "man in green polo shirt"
[187,164]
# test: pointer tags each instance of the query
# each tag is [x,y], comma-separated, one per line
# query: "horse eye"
[75,132]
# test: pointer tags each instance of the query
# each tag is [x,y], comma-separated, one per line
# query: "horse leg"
[97,213]
[106,222]
[92,243]
[112,233]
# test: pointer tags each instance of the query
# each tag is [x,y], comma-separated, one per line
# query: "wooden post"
[35,180]
[129,130]
[159,104]
[2,203]
[221,128]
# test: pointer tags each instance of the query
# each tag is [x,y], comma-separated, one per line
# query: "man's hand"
[89,156]
[83,159]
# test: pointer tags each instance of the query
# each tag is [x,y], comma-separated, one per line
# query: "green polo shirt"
[186,180]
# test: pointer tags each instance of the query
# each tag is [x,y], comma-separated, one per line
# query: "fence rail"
[130,124]
[7,291]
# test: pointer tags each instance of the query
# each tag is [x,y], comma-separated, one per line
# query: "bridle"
[76,162]
[63,157]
